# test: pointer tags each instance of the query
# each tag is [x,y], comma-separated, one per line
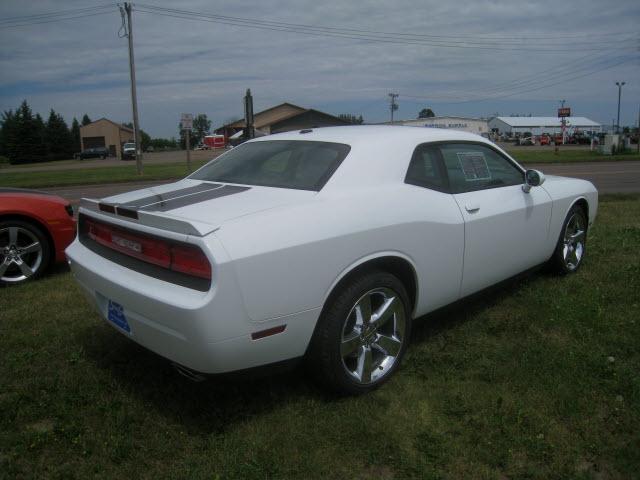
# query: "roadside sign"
[564,112]
[186,121]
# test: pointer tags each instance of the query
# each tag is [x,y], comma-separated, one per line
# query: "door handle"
[472,208]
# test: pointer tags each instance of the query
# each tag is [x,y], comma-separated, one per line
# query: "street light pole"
[619,84]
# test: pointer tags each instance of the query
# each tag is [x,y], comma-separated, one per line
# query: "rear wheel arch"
[582,203]
[399,266]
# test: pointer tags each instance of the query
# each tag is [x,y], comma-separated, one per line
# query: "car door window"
[473,167]
[425,169]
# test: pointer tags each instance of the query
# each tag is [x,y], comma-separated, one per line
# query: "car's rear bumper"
[205,331]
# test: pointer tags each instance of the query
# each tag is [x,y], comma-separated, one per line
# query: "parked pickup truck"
[129,151]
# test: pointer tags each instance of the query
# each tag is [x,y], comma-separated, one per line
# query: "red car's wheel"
[24,251]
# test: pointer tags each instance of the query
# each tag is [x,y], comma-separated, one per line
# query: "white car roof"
[379,153]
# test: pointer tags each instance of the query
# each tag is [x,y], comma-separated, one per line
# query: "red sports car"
[35,228]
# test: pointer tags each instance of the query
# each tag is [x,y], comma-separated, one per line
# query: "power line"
[54,14]
[490,37]
[539,87]
[346,34]
[524,82]
[59,19]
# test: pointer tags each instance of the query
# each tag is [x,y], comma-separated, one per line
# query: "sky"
[468,58]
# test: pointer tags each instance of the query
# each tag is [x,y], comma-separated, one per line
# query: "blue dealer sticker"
[115,314]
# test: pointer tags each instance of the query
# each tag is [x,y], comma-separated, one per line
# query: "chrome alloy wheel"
[372,336]
[21,254]
[573,245]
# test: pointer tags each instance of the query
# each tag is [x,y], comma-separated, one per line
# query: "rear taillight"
[190,260]
[179,257]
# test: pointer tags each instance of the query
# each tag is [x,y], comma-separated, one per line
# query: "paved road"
[608,177]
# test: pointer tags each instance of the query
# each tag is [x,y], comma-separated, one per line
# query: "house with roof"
[283,118]
[105,133]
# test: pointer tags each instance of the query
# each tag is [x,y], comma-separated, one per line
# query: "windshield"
[129,145]
[303,165]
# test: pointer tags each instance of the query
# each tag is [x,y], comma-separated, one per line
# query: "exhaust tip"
[188,373]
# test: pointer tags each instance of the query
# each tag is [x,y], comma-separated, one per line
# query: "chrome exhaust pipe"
[188,373]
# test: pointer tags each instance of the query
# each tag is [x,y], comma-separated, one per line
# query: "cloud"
[81,65]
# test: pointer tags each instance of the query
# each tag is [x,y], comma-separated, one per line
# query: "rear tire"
[362,334]
[572,244]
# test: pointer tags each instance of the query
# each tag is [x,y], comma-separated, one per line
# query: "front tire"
[572,243]
[362,334]
[24,252]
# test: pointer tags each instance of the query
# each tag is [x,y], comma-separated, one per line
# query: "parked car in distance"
[129,151]
[544,139]
[324,244]
[526,141]
[98,152]
[35,229]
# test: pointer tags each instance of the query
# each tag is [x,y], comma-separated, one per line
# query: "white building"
[540,125]
[478,126]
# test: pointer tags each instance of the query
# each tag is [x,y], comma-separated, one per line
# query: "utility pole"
[393,106]
[249,131]
[134,99]
[619,84]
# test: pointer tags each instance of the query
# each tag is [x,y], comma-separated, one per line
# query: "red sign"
[564,112]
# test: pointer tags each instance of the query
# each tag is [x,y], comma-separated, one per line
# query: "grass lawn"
[568,156]
[94,175]
[538,379]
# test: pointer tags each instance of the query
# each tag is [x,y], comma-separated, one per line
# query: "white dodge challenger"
[323,243]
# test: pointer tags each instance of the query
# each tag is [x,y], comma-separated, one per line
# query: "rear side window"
[425,169]
[297,164]
[473,167]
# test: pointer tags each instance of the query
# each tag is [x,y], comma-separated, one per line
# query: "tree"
[7,132]
[201,127]
[58,138]
[75,133]
[85,120]
[164,143]
[23,135]
[349,117]
[426,113]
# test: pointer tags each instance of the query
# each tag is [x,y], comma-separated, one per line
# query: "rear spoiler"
[148,219]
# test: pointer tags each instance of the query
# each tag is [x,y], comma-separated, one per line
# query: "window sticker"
[474,166]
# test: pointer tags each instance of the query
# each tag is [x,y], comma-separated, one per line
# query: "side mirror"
[532,178]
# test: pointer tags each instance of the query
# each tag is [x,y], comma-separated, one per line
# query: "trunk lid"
[195,207]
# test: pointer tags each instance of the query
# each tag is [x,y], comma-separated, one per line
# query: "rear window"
[297,164]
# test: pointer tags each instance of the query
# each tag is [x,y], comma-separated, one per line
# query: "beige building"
[479,126]
[105,133]
[284,118]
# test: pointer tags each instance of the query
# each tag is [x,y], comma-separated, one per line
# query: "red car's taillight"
[179,257]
